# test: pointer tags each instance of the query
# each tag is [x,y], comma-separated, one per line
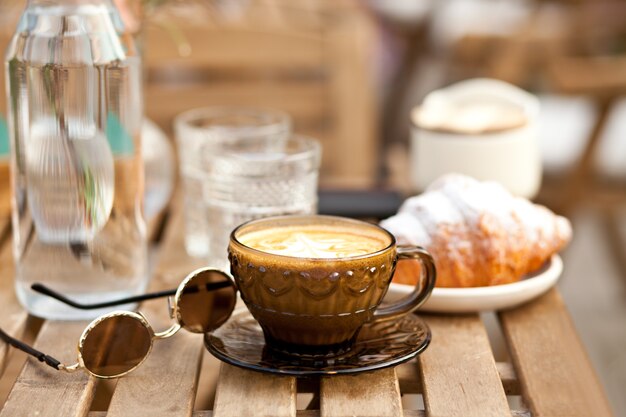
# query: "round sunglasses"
[117,343]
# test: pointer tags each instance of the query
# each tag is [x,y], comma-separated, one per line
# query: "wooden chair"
[308,58]
[576,56]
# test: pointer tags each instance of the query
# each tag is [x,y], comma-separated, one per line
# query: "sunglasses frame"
[175,305]
[83,338]
[174,310]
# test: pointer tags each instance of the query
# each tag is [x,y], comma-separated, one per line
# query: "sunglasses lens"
[116,345]
[206,301]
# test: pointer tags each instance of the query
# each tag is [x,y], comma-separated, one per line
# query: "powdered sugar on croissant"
[478,233]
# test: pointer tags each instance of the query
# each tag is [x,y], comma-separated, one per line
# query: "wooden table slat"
[378,395]
[44,392]
[410,382]
[164,385]
[459,374]
[246,393]
[555,374]
[13,317]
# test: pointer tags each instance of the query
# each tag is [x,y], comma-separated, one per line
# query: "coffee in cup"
[312,282]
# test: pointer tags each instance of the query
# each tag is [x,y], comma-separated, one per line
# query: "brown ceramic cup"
[317,305]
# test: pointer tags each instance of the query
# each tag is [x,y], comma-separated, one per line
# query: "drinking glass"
[201,133]
[241,186]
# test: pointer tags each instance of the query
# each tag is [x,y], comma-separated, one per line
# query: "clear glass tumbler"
[241,186]
[206,131]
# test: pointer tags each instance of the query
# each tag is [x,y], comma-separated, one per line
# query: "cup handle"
[420,294]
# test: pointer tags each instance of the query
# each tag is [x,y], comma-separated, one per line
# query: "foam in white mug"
[460,109]
[482,128]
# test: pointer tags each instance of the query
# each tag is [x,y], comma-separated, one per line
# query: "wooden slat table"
[548,374]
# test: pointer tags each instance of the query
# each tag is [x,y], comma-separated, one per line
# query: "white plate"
[497,297]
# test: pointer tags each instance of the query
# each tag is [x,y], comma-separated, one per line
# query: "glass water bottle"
[74,115]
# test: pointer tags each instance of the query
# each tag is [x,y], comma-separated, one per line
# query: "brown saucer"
[240,342]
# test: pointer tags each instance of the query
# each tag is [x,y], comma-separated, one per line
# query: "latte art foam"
[305,243]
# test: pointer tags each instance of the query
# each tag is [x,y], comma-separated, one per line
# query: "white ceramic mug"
[507,154]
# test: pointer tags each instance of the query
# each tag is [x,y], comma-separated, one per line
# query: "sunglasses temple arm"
[48,360]
[42,289]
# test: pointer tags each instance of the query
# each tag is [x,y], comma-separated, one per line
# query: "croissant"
[478,233]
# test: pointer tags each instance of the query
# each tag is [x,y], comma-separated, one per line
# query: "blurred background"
[350,71]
